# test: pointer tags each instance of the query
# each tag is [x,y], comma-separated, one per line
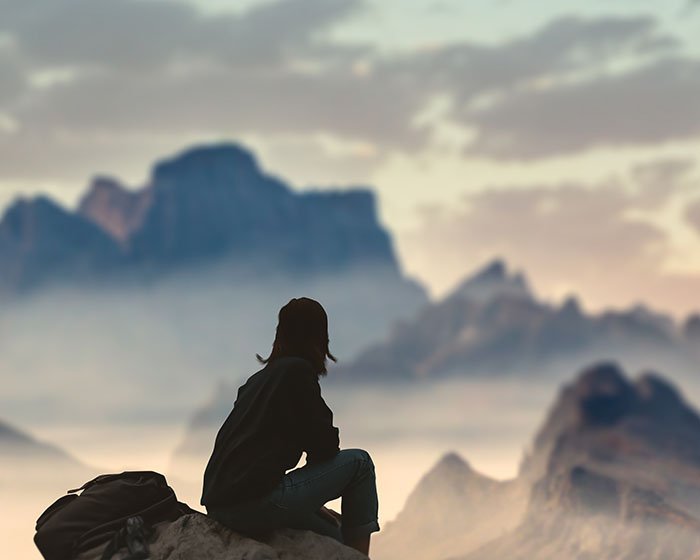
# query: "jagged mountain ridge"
[612,474]
[38,237]
[205,204]
[21,453]
[640,431]
[453,508]
[492,324]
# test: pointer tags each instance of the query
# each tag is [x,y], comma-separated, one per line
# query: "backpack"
[111,507]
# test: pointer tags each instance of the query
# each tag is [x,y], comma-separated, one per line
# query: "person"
[250,483]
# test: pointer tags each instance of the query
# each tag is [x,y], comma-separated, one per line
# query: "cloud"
[570,237]
[221,99]
[657,182]
[652,104]
[166,67]
[564,46]
[132,72]
[12,78]
[146,34]
[692,215]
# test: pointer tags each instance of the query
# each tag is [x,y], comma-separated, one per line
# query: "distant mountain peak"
[24,208]
[691,328]
[39,238]
[208,161]
[18,445]
[451,469]
[454,504]
[210,204]
[572,306]
[605,377]
[605,416]
[117,210]
[11,435]
[497,269]
[660,395]
[452,461]
[491,281]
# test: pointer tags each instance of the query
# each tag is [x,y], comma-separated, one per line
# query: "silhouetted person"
[278,414]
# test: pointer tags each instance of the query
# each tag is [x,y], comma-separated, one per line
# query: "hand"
[332,516]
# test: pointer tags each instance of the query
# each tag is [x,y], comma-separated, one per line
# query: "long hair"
[302,330]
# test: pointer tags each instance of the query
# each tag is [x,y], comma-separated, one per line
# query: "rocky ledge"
[197,536]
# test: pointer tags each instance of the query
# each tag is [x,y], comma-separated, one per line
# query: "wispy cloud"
[76,71]
[568,236]
[692,215]
[652,104]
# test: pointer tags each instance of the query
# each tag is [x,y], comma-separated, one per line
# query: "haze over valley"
[129,323]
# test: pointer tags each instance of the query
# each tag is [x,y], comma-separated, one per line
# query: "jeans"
[297,499]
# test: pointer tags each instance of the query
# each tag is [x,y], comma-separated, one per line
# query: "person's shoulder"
[294,367]
[295,364]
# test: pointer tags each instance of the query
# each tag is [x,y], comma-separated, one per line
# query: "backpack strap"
[134,535]
[168,508]
[126,474]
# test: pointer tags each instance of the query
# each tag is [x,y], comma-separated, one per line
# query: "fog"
[149,353]
[115,377]
[405,428]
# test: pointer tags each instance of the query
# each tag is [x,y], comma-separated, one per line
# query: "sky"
[561,136]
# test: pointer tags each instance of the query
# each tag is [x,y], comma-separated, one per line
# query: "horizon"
[466,120]
[552,297]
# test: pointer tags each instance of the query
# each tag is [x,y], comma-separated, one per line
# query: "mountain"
[452,509]
[114,208]
[691,329]
[613,473]
[491,282]
[38,238]
[21,454]
[209,204]
[607,421]
[492,324]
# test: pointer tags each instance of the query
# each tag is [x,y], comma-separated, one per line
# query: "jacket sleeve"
[317,435]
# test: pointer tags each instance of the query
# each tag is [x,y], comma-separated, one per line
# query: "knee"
[362,457]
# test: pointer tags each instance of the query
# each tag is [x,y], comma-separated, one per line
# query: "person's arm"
[317,434]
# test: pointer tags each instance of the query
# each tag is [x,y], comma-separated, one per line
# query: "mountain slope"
[39,239]
[21,455]
[493,325]
[614,475]
[207,205]
[452,509]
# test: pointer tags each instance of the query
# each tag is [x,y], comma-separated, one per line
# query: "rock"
[196,536]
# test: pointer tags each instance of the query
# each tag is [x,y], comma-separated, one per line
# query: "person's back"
[278,414]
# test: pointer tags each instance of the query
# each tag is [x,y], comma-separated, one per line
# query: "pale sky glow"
[433,103]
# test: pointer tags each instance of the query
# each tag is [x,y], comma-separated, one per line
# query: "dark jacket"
[278,414]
